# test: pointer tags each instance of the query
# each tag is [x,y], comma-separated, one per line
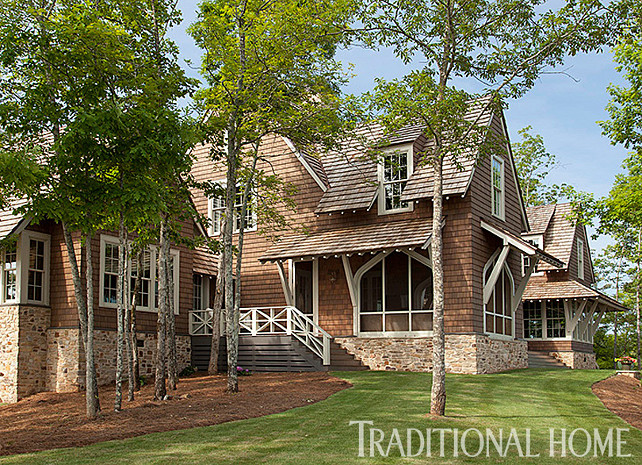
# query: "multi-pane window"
[144,285]
[10,273]
[555,319]
[526,260]
[217,207]
[499,312]
[36,271]
[147,296]
[395,295]
[497,185]
[395,170]
[533,327]
[580,258]
[110,273]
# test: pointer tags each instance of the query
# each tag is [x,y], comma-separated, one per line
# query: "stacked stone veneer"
[465,353]
[36,358]
[66,359]
[23,351]
[576,360]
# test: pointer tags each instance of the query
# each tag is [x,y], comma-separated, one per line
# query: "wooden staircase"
[272,353]
[543,360]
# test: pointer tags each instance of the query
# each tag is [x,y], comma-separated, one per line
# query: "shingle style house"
[362,275]
[562,309]
[355,292]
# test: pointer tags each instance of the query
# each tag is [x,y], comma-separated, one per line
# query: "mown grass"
[321,434]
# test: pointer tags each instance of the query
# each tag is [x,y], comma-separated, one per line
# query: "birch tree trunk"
[438,393]
[134,370]
[637,298]
[120,315]
[212,368]
[231,317]
[160,388]
[81,303]
[172,363]
[93,402]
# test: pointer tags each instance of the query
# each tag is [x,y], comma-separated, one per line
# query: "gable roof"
[10,222]
[352,174]
[559,232]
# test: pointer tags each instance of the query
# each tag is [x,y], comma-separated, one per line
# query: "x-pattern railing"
[272,320]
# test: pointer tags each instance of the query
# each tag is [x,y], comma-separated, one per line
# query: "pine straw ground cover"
[49,420]
[320,433]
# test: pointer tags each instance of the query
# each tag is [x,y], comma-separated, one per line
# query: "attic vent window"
[394,171]
[497,186]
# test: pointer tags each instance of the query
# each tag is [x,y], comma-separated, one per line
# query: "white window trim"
[381,197]
[506,268]
[544,312]
[104,239]
[502,204]
[210,214]
[205,291]
[389,334]
[2,283]
[539,238]
[580,258]
[23,267]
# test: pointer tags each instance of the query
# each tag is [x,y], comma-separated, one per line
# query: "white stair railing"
[271,320]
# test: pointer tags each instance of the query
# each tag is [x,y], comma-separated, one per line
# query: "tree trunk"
[637,298]
[81,304]
[617,297]
[172,362]
[134,372]
[438,394]
[120,315]
[212,368]
[93,402]
[160,389]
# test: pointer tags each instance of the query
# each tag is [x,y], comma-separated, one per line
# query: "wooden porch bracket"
[584,324]
[353,292]
[596,323]
[497,269]
[519,292]
[573,319]
[287,291]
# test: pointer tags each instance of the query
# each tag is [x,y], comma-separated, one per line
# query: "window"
[35,267]
[498,312]
[580,258]
[497,181]
[394,171]
[526,260]
[533,320]
[148,275]
[110,273]
[10,273]
[395,296]
[198,292]
[555,319]
[145,269]
[217,211]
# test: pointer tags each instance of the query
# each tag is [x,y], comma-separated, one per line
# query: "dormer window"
[580,258]
[395,169]
[497,186]
[537,241]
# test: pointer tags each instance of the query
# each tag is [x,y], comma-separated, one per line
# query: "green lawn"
[320,434]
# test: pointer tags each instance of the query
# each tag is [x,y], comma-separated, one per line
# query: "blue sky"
[563,110]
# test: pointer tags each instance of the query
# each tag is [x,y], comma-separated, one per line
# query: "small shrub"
[142,380]
[243,371]
[187,371]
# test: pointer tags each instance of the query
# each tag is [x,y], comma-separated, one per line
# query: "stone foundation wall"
[32,358]
[467,353]
[576,360]
[64,372]
[9,353]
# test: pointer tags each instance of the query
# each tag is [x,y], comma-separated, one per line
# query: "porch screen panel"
[371,289]
[498,311]
[397,300]
[422,296]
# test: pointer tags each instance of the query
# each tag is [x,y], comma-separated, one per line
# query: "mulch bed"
[49,420]
[622,395]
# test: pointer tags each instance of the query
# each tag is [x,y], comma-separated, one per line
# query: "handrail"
[271,320]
